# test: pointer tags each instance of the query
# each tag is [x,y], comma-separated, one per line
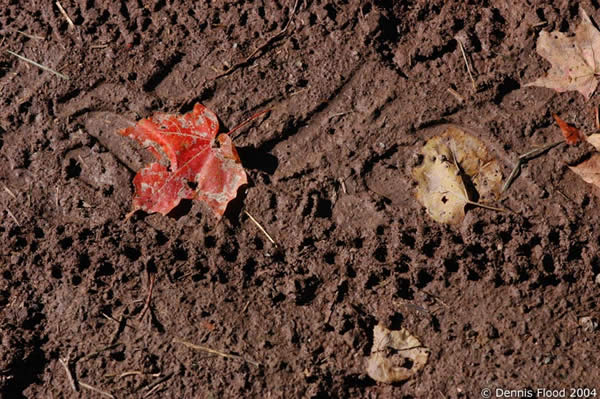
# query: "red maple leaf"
[571,133]
[202,164]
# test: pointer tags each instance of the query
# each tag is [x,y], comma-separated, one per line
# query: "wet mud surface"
[356,89]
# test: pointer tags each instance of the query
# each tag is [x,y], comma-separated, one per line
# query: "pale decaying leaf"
[594,140]
[589,170]
[395,355]
[575,59]
[448,160]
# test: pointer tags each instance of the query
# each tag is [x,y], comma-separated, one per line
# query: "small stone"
[589,324]
[598,278]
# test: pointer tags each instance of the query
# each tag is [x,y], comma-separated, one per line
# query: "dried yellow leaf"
[395,368]
[450,160]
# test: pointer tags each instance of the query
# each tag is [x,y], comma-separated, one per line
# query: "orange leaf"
[202,164]
[571,133]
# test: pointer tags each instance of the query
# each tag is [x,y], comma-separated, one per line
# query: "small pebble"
[588,323]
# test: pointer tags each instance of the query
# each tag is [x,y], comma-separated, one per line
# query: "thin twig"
[462,50]
[260,48]
[152,277]
[244,123]
[72,382]
[9,192]
[214,352]
[260,228]
[128,373]
[97,390]
[529,155]
[339,114]
[34,37]
[99,351]
[110,318]
[45,68]
[456,95]
[64,13]
[156,383]
[12,216]
[539,151]
[153,390]
[513,175]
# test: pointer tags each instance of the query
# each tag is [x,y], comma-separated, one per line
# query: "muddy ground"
[356,89]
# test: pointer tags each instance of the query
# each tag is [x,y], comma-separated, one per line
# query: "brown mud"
[357,88]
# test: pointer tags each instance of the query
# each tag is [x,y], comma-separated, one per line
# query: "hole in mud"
[182,209]
[408,240]
[66,243]
[84,234]
[249,269]
[403,288]
[323,208]
[278,298]
[423,278]
[308,207]
[229,251]
[180,254]
[548,263]
[554,237]
[372,281]
[192,185]
[76,279]
[430,247]
[73,169]
[451,265]
[38,233]
[472,275]
[396,321]
[257,159]
[342,291]
[161,238]
[329,258]
[105,269]
[306,290]
[380,254]
[331,12]
[118,356]
[56,272]
[222,276]
[84,262]
[574,252]
[210,242]
[131,253]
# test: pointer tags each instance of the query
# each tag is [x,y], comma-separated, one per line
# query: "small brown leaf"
[575,59]
[571,133]
[408,357]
